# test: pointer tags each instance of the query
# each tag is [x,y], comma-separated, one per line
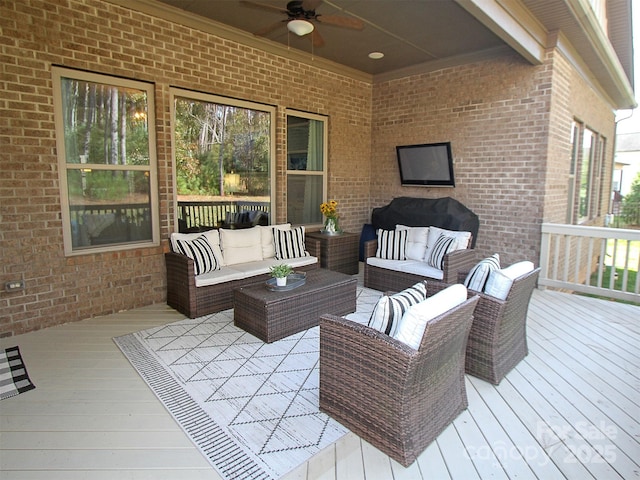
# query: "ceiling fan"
[301,16]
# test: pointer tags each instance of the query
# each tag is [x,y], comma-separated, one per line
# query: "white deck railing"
[577,258]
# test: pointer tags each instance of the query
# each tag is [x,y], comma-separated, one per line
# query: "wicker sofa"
[241,257]
[422,217]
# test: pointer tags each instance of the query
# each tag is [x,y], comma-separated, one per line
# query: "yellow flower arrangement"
[329,209]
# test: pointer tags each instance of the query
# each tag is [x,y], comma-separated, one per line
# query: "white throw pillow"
[389,309]
[268,247]
[212,236]
[435,232]
[414,321]
[204,258]
[182,236]
[289,243]
[477,277]
[443,245]
[416,245]
[241,246]
[500,281]
[391,244]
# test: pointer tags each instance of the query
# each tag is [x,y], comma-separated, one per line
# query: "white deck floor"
[571,409]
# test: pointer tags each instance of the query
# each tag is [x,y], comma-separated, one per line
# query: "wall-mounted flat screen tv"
[426,165]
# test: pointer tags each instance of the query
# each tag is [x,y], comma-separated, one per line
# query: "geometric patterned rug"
[14,378]
[250,407]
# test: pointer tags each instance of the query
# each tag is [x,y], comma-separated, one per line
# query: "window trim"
[176,92]
[595,175]
[588,175]
[58,73]
[325,152]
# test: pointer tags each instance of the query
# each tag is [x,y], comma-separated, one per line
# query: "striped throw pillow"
[443,245]
[204,258]
[389,310]
[391,244]
[289,243]
[477,278]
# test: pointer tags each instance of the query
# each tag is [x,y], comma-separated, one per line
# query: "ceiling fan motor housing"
[295,9]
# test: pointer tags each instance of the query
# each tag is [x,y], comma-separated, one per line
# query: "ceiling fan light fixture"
[300,27]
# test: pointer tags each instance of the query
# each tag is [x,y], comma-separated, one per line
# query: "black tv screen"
[427,165]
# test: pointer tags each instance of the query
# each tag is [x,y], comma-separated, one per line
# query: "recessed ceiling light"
[376,55]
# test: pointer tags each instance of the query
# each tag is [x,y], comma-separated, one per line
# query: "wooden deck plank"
[349,462]
[455,455]
[377,466]
[614,396]
[582,431]
[432,463]
[504,432]
[84,423]
[476,448]
[91,460]
[323,465]
[94,440]
[497,447]
[167,474]
[588,374]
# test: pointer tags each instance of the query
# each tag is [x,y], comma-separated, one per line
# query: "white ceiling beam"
[606,55]
[513,24]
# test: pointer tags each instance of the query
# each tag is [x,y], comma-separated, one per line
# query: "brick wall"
[97,36]
[573,100]
[509,125]
[508,121]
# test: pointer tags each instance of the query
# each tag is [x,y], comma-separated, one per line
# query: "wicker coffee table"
[271,315]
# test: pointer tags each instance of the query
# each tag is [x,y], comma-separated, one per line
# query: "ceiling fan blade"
[269,28]
[316,38]
[263,6]
[338,21]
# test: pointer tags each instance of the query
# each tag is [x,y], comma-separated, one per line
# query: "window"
[599,171]
[224,162]
[575,135]
[585,175]
[306,167]
[107,158]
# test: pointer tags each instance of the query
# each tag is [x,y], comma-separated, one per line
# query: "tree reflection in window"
[107,158]
[223,155]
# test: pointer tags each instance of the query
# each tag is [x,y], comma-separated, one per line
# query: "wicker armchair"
[394,397]
[498,337]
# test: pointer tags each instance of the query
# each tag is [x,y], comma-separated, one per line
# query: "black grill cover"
[445,213]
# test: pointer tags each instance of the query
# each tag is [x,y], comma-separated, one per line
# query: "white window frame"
[209,97]
[325,160]
[594,174]
[58,73]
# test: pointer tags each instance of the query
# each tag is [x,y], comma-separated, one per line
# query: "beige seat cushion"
[241,246]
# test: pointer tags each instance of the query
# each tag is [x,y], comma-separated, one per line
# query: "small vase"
[281,281]
[331,226]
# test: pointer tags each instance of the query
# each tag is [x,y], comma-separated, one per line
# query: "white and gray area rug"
[250,407]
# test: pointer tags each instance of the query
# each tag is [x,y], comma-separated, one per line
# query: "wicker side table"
[336,252]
